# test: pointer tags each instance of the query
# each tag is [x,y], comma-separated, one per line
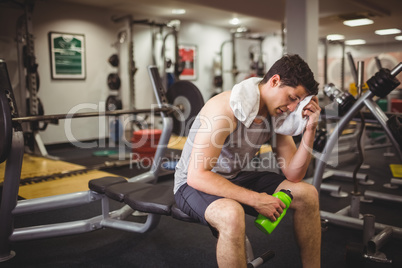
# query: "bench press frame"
[11,207]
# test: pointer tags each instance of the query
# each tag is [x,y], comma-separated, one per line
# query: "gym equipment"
[342,62]
[185,95]
[126,34]
[383,79]
[267,226]
[41,111]
[136,193]
[395,125]
[239,34]
[113,81]
[144,143]
[114,60]
[29,81]
[113,103]
[369,250]
[344,100]
[182,103]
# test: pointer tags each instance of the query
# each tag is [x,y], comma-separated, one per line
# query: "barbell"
[185,102]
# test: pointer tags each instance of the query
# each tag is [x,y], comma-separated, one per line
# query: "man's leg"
[307,222]
[227,216]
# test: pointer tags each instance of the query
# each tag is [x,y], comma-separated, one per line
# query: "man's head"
[293,71]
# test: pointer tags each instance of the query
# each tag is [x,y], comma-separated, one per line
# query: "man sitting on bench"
[210,185]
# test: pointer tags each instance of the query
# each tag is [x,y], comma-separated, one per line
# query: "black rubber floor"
[179,244]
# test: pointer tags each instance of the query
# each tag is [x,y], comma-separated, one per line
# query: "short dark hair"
[293,71]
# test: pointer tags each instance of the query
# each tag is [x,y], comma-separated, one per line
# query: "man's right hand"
[269,206]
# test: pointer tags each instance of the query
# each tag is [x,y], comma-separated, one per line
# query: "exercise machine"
[381,84]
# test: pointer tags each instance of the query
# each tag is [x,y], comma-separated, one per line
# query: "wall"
[59,96]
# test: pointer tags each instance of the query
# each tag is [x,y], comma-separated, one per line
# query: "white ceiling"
[266,16]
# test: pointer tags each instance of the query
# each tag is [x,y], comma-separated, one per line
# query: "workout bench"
[156,200]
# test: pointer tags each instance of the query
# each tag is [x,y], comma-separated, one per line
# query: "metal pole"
[55,117]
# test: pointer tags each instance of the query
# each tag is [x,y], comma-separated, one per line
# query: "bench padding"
[144,197]
[99,185]
[119,191]
[157,199]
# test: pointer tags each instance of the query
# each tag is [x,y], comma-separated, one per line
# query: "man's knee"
[226,213]
[309,196]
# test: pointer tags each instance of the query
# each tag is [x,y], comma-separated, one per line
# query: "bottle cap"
[288,192]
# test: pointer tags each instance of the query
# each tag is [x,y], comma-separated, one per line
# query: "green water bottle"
[265,224]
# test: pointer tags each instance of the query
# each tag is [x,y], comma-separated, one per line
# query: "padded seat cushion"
[180,215]
[99,185]
[157,199]
[120,190]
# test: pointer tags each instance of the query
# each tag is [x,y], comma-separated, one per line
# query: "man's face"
[284,98]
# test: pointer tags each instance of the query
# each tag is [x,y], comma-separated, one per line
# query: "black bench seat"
[99,185]
[119,191]
[144,197]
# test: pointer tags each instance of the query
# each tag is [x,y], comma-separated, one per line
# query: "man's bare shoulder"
[218,110]
[218,105]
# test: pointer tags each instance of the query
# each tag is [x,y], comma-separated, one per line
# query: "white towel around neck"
[245,100]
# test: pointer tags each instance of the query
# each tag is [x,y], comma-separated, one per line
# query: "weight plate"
[113,81]
[114,60]
[5,123]
[112,104]
[188,97]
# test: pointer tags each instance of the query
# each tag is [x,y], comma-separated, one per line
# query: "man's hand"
[270,206]
[312,110]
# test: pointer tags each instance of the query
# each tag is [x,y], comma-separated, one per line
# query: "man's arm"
[295,161]
[217,122]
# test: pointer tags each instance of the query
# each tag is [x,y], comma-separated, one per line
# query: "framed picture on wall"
[67,55]
[188,59]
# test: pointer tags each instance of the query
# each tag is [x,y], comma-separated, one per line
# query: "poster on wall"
[188,59]
[67,55]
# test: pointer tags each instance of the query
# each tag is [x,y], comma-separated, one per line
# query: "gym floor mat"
[35,166]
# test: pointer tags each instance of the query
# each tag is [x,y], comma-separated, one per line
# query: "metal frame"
[339,218]
[10,207]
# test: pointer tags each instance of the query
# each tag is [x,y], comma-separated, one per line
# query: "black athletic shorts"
[194,203]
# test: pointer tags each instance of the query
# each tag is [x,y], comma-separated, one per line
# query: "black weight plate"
[113,81]
[112,104]
[185,94]
[6,129]
[114,60]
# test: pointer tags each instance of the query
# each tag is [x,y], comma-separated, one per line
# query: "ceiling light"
[178,11]
[334,37]
[399,37]
[388,31]
[355,42]
[358,22]
[241,29]
[234,21]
